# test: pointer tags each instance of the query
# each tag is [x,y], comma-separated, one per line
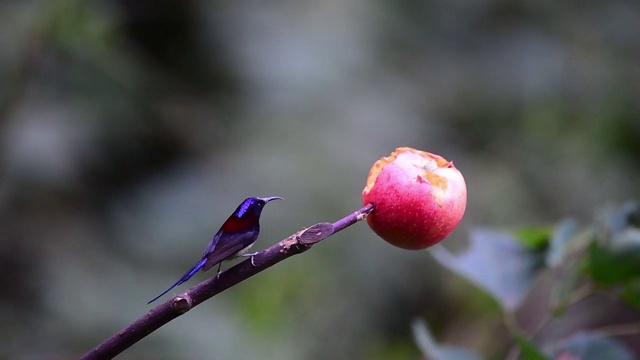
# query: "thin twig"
[180,304]
[627,329]
[514,329]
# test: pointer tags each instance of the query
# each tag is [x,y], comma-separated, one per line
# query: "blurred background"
[129,131]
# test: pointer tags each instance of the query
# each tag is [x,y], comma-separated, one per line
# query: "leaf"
[610,266]
[628,241]
[614,257]
[528,351]
[589,346]
[560,240]
[564,287]
[613,221]
[496,262]
[631,293]
[534,238]
[432,350]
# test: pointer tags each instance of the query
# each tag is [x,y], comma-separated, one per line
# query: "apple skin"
[418,198]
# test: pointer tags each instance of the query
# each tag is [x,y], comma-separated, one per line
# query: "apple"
[418,198]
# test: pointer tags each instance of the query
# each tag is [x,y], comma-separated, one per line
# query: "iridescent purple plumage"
[235,237]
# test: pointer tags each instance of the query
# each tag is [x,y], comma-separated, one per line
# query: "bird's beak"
[267,199]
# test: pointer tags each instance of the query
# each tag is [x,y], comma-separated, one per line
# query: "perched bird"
[235,238]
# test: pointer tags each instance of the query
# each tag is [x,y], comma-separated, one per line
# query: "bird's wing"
[212,244]
[227,246]
[232,228]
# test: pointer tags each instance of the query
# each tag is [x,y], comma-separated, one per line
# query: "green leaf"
[589,346]
[432,350]
[614,257]
[610,266]
[560,242]
[631,293]
[534,238]
[496,262]
[528,351]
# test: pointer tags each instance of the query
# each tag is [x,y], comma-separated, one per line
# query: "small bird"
[235,238]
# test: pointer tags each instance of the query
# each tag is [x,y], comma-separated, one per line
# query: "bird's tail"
[184,278]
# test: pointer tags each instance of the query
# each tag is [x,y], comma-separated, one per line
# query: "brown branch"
[180,304]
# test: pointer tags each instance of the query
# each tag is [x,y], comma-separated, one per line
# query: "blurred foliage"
[431,350]
[129,130]
[534,238]
[587,346]
[606,262]
[497,263]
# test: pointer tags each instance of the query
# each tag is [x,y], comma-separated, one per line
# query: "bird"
[235,237]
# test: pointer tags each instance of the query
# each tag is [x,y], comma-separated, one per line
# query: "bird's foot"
[251,254]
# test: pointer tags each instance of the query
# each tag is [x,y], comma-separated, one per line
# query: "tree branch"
[180,304]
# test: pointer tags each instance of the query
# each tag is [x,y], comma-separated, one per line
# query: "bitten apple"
[418,198]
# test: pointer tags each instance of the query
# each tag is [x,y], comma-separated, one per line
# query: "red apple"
[418,198]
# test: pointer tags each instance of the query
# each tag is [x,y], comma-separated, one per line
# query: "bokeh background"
[129,130]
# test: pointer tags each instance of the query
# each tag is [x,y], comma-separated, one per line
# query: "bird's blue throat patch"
[244,207]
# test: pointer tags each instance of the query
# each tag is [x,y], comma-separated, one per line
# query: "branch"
[180,304]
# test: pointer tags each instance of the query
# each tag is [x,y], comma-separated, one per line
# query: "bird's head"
[254,205]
